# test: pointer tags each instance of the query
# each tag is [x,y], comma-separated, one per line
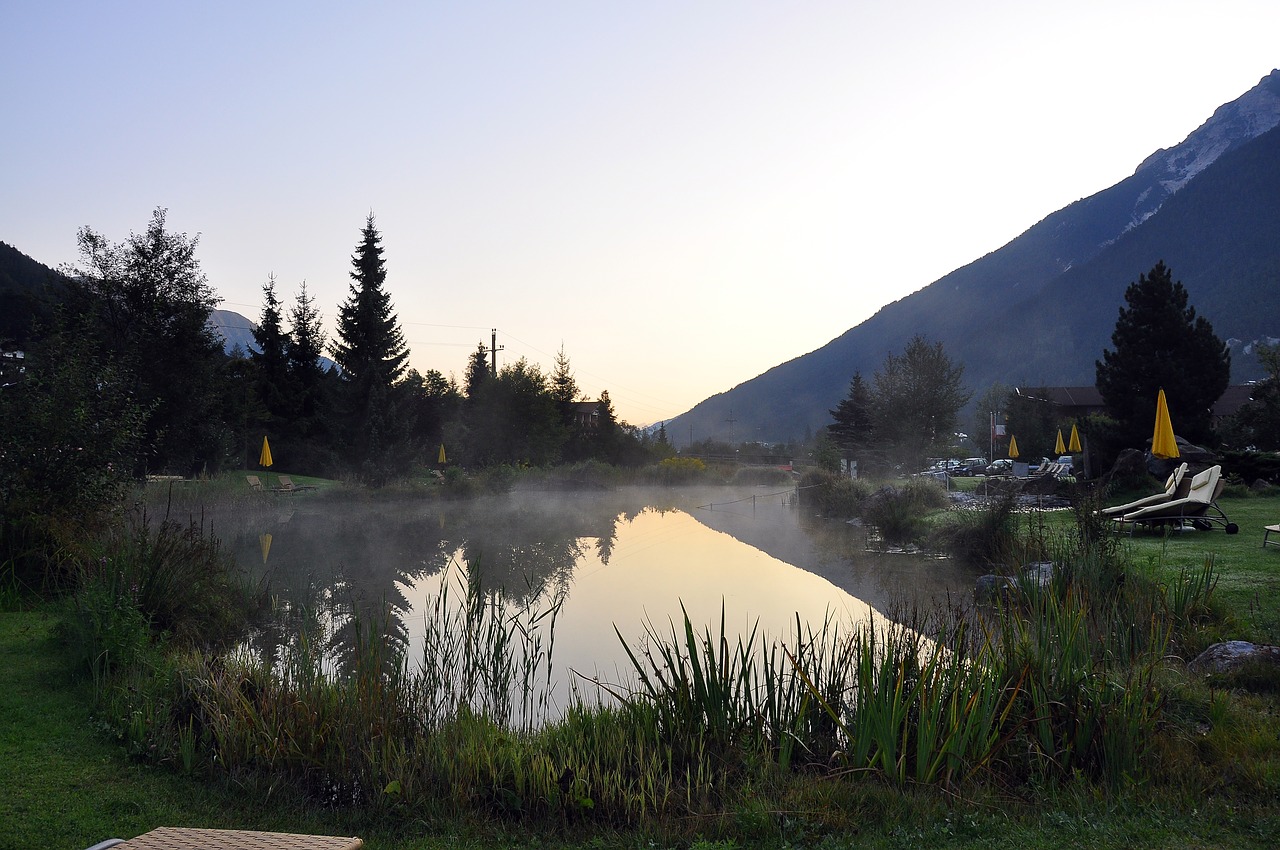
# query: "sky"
[681,194]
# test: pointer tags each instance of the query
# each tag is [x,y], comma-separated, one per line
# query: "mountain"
[237,332]
[1040,310]
[28,290]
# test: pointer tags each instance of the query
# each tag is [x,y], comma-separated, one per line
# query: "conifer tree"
[307,378]
[271,358]
[564,388]
[607,435]
[1159,341]
[852,429]
[371,352]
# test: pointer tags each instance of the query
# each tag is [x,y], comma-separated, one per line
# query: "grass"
[66,783]
[1249,577]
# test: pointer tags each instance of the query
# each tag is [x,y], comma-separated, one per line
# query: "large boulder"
[1135,468]
[1231,655]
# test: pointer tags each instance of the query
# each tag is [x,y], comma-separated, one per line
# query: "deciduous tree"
[146,302]
[1257,423]
[916,401]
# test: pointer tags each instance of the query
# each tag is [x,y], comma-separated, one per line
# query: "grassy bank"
[67,784]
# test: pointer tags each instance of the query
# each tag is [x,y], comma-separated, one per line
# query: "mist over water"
[605,558]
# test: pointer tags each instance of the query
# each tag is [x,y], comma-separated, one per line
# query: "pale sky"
[684,194]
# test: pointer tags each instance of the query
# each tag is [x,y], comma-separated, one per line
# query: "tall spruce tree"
[1159,341]
[370,350]
[307,378]
[271,359]
[852,429]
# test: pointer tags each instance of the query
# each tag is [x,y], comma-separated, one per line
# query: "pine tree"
[371,352]
[852,429]
[271,358]
[1160,342]
[307,378]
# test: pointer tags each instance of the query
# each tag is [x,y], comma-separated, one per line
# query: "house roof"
[1089,400]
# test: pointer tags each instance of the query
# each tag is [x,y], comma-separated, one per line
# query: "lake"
[600,559]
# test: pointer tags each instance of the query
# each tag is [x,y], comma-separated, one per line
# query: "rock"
[1041,572]
[1040,485]
[1231,655]
[989,588]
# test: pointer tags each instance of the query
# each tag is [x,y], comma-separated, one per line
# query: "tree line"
[128,378]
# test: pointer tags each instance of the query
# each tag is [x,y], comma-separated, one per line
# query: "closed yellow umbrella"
[1013,447]
[442,460]
[1163,444]
[1073,445]
[264,543]
[264,458]
[1059,448]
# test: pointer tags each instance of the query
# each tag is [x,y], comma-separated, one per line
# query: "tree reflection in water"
[365,569]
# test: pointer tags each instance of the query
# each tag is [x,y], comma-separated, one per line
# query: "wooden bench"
[179,838]
[1270,529]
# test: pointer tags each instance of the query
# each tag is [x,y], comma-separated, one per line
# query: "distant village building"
[13,364]
[586,414]
[1079,402]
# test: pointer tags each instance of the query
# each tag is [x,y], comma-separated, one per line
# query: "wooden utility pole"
[494,348]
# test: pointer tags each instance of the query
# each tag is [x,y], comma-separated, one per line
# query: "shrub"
[678,470]
[764,476]
[833,495]
[171,582]
[899,513]
[925,493]
[985,536]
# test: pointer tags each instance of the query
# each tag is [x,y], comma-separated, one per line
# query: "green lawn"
[65,783]
[1249,576]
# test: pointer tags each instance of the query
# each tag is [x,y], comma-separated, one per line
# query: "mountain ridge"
[1013,298]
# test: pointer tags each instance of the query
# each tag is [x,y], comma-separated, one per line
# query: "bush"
[104,629]
[899,513]
[678,470]
[986,536]
[173,582]
[762,476]
[833,495]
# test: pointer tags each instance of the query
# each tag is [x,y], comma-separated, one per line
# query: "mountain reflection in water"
[609,558]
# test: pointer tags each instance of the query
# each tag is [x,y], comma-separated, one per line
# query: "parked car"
[971,466]
[1003,466]
[942,469]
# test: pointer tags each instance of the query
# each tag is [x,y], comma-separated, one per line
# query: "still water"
[606,558]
